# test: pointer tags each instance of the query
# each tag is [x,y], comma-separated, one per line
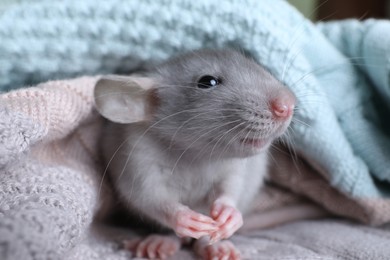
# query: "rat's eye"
[208,81]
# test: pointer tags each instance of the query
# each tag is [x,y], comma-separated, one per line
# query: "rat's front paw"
[228,218]
[189,223]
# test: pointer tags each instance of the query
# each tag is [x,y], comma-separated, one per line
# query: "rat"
[187,142]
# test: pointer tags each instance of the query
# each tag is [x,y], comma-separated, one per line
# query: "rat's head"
[208,101]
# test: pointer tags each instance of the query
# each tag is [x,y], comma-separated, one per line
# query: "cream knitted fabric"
[48,193]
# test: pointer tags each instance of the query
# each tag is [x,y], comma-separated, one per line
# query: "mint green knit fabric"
[339,71]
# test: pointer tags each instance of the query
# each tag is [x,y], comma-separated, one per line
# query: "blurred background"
[315,9]
[342,9]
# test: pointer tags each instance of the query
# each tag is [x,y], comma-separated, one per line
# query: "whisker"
[242,146]
[234,138]
[201,114]
[223,135]
[298,32]
[182,154]
[143,134]
[270,155]
[108,164]
[210,143]
[296,120]
[331,66]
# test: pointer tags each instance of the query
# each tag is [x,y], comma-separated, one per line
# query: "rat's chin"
[254,143]
[252,146]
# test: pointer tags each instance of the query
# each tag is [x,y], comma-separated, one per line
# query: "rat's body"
[196,155]
[194,182]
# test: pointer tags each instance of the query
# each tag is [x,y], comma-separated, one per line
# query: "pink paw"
[189,223]
[222,250]
[153,246]
[229,220]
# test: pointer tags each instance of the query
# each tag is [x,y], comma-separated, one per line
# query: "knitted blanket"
[51,187]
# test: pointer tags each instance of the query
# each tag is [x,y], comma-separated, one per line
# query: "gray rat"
[186,145]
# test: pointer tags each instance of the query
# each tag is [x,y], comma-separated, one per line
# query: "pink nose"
[283,106]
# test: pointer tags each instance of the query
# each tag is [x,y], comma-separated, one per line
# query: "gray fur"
[190,152]
[245,91]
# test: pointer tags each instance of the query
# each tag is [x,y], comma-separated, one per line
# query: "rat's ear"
[124,99]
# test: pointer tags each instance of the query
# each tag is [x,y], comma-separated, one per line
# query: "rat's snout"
[282,106]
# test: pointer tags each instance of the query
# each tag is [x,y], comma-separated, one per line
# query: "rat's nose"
[283,106]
